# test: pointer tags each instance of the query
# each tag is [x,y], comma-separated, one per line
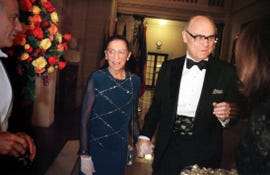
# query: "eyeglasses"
[112,52]
[201,38]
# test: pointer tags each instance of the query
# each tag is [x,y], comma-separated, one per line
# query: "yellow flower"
[54,17]
[40,62]
[36,10]
[24,56]
[59,37]
[50,69]
[45,44]
[26,46]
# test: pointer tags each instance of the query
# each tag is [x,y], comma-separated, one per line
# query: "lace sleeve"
[88,100]
[134,123]
[253,152]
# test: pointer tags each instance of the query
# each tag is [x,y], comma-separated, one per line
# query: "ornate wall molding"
[175,9]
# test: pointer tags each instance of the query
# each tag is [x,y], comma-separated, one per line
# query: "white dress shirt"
[190,90]
[5,96]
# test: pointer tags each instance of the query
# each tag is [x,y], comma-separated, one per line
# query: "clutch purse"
[130,155]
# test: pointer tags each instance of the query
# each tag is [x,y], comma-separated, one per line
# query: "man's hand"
[225,110]
[16,144]
[30,144]
[144,147]
[12,145]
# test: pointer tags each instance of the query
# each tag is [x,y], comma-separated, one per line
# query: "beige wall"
[86,20]
[170,34]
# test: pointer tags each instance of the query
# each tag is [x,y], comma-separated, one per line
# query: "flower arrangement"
[39,48]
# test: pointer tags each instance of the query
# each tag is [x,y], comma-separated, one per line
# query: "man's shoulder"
[174,61]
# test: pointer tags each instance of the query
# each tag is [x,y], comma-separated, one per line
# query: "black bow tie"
[201,64]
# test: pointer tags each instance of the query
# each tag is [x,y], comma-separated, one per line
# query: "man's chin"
[9,44]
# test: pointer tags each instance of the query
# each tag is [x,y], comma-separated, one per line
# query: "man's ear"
[184,36]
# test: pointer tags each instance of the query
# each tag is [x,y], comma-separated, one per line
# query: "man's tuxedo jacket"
[219,85]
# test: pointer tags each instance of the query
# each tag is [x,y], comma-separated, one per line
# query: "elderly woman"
[110,97]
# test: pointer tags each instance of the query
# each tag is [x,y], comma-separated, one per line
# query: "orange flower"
[39,71]
[36,19]
[53,29]
[60,47]
[20,39]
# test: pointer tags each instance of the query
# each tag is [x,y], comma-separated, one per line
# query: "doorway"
[153,64]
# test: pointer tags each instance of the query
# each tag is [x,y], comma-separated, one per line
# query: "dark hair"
[253,60]
[117,37]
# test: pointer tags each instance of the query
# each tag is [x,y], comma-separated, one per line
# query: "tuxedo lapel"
[175,78]
[176,73]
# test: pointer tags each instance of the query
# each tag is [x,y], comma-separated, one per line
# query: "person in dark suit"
[195,97]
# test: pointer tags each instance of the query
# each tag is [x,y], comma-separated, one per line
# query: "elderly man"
[195,97]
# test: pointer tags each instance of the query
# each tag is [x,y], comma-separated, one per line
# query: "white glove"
[87,165]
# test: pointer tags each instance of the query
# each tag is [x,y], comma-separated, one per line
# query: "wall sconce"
[158,44]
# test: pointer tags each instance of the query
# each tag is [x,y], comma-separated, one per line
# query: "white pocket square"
[217,91]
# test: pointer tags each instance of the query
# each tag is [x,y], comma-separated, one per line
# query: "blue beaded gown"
[109,111]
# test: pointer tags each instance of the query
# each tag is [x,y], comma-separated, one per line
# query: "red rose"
[45,24]
[25,5]
[36,53]
[29,59]
[38,33]
[62,65]
[67,37]
[65,46]
[29,50]
[52,60]
[48,5]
